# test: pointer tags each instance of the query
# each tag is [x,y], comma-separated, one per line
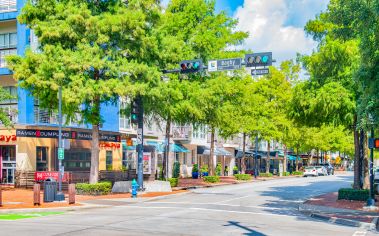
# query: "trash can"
[49,190]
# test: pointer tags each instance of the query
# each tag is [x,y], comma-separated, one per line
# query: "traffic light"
[134,112]
[258,59]
[373,143]
[191,66]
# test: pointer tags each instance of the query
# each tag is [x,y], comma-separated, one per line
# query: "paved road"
[261,208]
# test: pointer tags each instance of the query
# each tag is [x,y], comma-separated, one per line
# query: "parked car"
[310,171]
[329,168]
[321,170]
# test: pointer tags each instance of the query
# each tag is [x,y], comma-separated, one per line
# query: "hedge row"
[101,188]
[265,175]
[173,182]
[211,179]
[242,176]
[297,173]
[353,194]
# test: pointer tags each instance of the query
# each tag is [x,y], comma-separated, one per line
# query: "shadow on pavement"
[250,232]
[289,197]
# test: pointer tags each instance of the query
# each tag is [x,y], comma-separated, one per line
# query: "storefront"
[29,149]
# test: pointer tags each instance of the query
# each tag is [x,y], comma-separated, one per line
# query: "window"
[8,44]
[185,158]
[124,118]
[77,160]
[10,106]
[41,158]
[8,5]
[109,160]
[8,153]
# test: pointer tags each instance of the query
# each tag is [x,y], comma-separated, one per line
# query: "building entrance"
[8,164]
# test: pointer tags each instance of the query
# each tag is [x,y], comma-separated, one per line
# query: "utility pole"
[60,195]
[140,142]
[256,157]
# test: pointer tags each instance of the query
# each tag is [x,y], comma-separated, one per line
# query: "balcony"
[8,6]
[182,133]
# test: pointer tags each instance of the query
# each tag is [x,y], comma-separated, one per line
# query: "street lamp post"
[371,200]
[60,195]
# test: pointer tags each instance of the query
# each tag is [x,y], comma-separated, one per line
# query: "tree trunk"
[285,159]
[297,159]
[268,158]
[211,153]
[243,164]
[310,160]
[94,170]
[357,180]
[366,176]
[167,148]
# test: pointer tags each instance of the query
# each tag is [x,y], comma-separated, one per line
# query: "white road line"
[232,199]
[360,233]
[216,204]
[207,209]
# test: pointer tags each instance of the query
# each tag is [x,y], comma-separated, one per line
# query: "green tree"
[95,50]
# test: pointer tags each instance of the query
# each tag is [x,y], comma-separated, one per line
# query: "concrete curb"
[85,206]
[318,212]
[347,222]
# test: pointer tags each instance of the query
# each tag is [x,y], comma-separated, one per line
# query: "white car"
[321,170]
[310,171]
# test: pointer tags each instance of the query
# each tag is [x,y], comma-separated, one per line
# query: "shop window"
[77,160]
[109,160]
[8,153]
[41,158]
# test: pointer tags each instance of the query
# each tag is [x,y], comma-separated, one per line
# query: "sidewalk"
[351,213]
[14,199]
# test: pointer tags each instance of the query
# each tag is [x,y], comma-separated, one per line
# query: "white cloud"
[267,24]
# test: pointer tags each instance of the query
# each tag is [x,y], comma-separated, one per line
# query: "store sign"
[8,138]
[146,163]
[44,175]
[110,145]
[32,133]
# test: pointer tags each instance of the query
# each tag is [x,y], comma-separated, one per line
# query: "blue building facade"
[32,144]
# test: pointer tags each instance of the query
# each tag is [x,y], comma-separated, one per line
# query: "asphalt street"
[260,208]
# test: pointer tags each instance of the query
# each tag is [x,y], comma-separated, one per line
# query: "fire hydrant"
[134,188]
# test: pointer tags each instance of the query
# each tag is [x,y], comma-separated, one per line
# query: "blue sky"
[274,25]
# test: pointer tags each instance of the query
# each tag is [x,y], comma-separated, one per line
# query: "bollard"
[71,193]
[37,194]
[1,197]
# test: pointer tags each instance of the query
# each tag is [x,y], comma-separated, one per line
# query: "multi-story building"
[31,145]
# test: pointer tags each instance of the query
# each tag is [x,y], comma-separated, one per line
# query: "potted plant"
[218,169]
[235,170]
[204,170]
[195,171]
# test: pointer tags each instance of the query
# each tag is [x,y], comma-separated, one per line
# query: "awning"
[203,150]
[126,147]
[158,146]
[178,148]
[248,154]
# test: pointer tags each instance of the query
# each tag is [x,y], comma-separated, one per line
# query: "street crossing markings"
[360,233]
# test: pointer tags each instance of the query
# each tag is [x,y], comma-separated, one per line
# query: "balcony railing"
[182,132]
[8,5]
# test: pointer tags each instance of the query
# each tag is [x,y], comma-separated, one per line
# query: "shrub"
[297,173]
[286,173]
[109,167]
[195,168]
[265,175]
[218,169]
[204,169]
[353,194]
[173,182]
[101,188]
[242,176]
[235,168]
[176,170]
[212,179]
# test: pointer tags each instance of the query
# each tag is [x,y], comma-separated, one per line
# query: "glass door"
[8,164]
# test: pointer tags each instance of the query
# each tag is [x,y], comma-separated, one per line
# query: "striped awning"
[203,150]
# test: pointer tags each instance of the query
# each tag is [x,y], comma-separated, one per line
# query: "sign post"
[140,143]
[60,195]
